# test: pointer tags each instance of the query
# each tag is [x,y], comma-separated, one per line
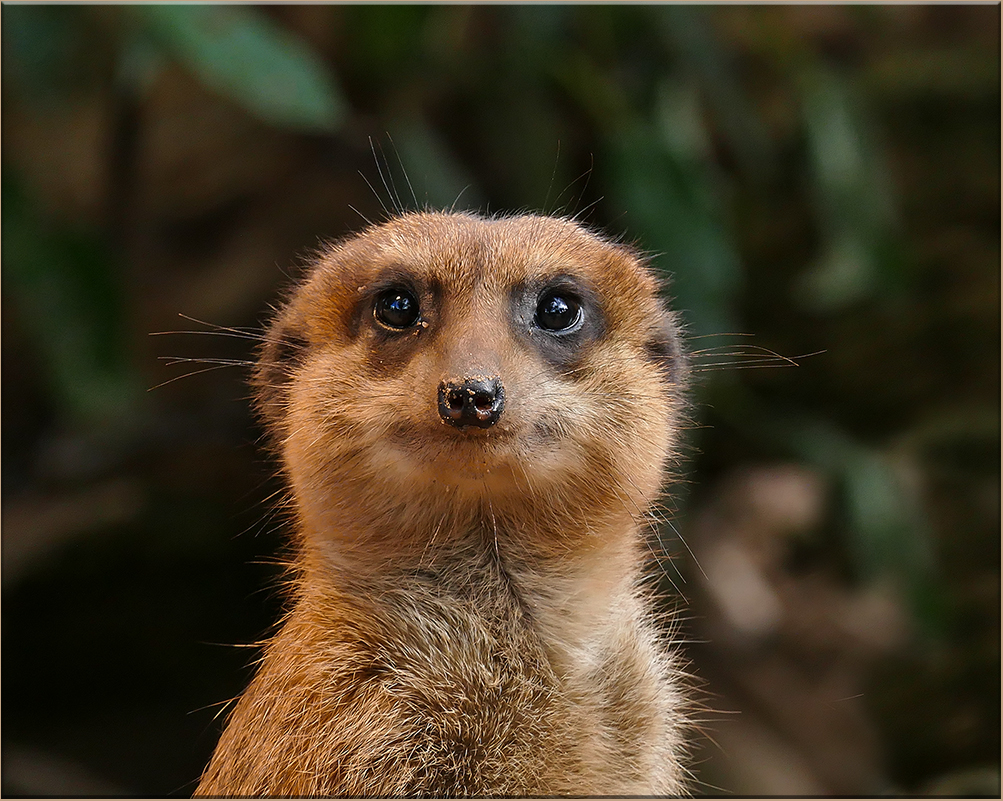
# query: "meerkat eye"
[396,308]
[558,310]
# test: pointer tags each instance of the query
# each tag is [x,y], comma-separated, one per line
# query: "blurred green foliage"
[861,255]
[758,205]
[247,58]
[69,296]
[655,88]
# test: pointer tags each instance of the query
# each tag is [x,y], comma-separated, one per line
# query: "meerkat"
[475,417]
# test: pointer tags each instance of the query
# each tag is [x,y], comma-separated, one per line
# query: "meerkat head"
[450,356]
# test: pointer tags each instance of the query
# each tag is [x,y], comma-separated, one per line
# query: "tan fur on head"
[467,616]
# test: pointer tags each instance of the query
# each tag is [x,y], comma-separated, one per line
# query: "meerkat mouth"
[461,451]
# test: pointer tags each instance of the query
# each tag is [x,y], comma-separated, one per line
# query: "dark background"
[818,180]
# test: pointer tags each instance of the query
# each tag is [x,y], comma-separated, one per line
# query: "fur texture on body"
[468,615]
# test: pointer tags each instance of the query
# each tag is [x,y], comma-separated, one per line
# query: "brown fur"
[467,615]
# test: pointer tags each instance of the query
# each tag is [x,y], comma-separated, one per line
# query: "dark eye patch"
[558,317]
[665,350]
[284,350]
[290,347]
[402,310]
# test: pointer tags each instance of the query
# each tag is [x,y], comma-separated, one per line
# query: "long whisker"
[235,334]
[172,360]
[579,212]
[215,326]
[251,334]
[379,198]
[553,176]
[403,171]
[188,375]
[388,183]
[365,219]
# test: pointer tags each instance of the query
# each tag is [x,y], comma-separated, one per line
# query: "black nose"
[471,402]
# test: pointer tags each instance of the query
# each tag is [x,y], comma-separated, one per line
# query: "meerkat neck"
[360,550]
[571,600]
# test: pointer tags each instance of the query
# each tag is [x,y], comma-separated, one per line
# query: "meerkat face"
[479,356]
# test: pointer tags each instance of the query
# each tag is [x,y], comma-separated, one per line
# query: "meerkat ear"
[282,352]
[664,348]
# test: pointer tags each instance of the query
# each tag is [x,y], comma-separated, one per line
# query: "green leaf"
[671,206]
[888,533]
[68,298]
[854,202]
[690,33]
[241,54]
[48,50]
